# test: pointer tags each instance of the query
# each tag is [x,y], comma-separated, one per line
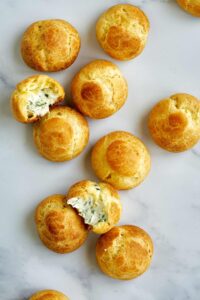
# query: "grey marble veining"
[167,204]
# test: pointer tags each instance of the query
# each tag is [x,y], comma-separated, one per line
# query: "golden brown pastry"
[98,204]
[62,134]
[33,97]
[190,6]
[59,226]
[174,123]
[124,252]
[49,295]
[121,159]
[99,89]
[50,45]
[122,31]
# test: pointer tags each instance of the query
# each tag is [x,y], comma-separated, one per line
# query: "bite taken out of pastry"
[99,89]
[190,6]
[48,295]
[50,45]
[97,203]
[59,226]
[125,252]
[122,31]
[33,97]
[62,134]
[121,159]
[174,122]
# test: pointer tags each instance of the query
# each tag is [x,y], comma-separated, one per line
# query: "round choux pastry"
[50,45]
[190,6]
[174,123]
[121,159]
[124,252]
[59,226]
[48,295]
[99,89]
[122,31]
[33,97]
[97,203]
[62,134]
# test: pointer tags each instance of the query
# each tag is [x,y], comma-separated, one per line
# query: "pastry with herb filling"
[99,89]
[33,97]
[59,226]
[125,252]
[50,45]
[174,122]
[97,203]
[122,31]
[121,159]
[48,295]
[62,134]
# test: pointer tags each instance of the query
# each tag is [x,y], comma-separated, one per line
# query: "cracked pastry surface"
[48,295]
[190,6]
[50,45]
[62,134]
[59,226]
[125,252]
[33,97]
[121,159]
[97,203]
[174,123]
[99,89]
[122,31]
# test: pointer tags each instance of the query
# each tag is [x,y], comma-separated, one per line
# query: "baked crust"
[48,295]
[174,123]
[29,86]
[59,227]
[99,89]
[124,252]
[62,134]
[121,159]
[122,31]
[190,6]
[50,45]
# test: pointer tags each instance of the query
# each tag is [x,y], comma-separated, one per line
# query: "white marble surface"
[167,204]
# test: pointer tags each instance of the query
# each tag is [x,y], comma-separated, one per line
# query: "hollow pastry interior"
[34,96]
[97,204]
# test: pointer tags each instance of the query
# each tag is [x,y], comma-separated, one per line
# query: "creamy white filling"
[38,103]
[91,210]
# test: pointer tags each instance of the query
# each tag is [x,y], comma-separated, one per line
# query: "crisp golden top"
[59,226]
[49,295]
[190,6]
[99,89]
[174,122]
[50,45]
[124,252]
[122,31]
[121,159]
[104,205]
[62,134]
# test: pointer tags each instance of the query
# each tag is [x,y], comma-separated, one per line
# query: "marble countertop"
[167,204]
